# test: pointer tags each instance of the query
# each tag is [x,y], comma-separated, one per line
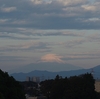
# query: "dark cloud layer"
[54,14]
[11,58]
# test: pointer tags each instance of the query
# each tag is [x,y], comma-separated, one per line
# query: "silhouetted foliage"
[1,96]
[75,87]
[9,87]
[30,88]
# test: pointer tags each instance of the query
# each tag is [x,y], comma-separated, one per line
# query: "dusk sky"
[49,31]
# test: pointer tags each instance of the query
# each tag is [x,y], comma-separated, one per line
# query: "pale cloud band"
[8,9]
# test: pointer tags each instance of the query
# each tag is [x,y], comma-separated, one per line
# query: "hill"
[50,75]
[45,66]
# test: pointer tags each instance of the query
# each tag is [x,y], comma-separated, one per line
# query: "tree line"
[75,87]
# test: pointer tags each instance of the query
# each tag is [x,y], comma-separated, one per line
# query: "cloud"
[36,1]
[34,34]
[89,8]
[73,56]
[29,46]
[1,53]
[3,21]
[54,33]
[78,57]
[97,20]
[74,43]
[8,9]
[72,2]
[52,58]
[82,40]
[4,58]
[16,36]
[94,37]
[50,14]
[82,56]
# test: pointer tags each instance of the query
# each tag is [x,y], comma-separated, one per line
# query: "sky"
[49,31]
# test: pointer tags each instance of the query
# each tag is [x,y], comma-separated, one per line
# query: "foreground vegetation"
[76,87]
[9,87]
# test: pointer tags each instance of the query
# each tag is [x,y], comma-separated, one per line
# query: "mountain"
[52,75]
[48,66]
[96,71]
[48,74]
[96,68]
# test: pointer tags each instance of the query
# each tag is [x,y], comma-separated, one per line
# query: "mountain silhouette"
[52,75]
[48,66]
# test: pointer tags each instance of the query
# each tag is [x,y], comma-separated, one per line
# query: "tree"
[75,87]
[9,87]
[1,96]
[81,87]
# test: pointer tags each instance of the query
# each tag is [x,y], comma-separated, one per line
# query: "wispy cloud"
[8,9]
[84,55]
[16,36]
[36,46]
[11,58]
[31,34]
[2,21]
[74,43]
[94,37]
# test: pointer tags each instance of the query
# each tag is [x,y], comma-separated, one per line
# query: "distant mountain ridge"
[48,66]
[52,75]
